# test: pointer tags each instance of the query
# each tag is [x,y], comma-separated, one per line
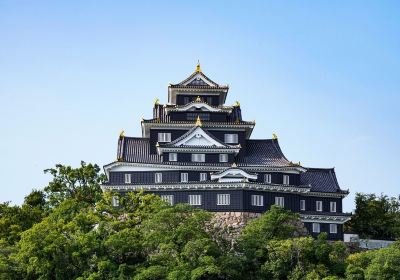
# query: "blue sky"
[323,75]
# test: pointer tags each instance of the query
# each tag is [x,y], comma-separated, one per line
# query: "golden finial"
[122,134]
[237,104]
[274,136]
[198,121]
[198,99]
[234,164]
[156,101]
[198,69]
[157,144]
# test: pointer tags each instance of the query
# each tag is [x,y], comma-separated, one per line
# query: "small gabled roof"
[233,173]
[321,180]
[204,139]
[198,79]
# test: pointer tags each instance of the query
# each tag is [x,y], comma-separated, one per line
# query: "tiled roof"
[137,149]
[198,83]
[263,152]
[321,180]
[167,120]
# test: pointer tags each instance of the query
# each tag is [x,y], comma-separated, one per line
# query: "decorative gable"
[199,137]
[233,175]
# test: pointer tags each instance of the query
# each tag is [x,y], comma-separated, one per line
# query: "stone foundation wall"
[230,224]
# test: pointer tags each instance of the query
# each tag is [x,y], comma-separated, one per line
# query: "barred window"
[164,137]
[158,177]
[169,198]
[128,178]
[223,199]
[318,206]
[173,156]
[231,138]
[195,199]
[193,116]
[286,179]
[203,176]
[267,178]
[302,205]
[316,227]
[198,157]
[223,158]
[184,177]
[280,201]
[257,200]
[333,206]
[332,228]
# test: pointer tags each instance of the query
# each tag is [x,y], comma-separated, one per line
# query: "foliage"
[72,231]
[376,217]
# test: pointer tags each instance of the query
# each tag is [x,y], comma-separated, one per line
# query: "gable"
[199,79]
[198,137]
[233,175]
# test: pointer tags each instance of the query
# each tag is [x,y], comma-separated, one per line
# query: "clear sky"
[323,75]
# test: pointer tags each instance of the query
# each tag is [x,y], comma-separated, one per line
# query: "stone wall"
[231,223]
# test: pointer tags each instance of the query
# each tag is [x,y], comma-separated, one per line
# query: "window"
[333,206]
[223,158]
[257,200]
[203,176]
[184,177]
[164,137]
[169,198]
[158,177]
[195,199]
[128,178]
[173,157]
[115,201]
[286,179]
[193,116]
[198,157]
[186,100]
[332,228]
[280,201]
[223,199]
[231,138]
[318,206]
[267,178]
[315,227]
[302,205]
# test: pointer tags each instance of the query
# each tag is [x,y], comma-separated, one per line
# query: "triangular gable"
[197,137]
[233,175]
[199,79]
[196,106]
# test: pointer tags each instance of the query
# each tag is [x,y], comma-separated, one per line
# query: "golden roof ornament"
[198,69]
[156,101]
[274,136]
[198,99]
[122,134]
[237,104]
[198,121]
[234,164]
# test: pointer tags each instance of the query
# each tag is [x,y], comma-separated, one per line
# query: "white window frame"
[231,138]
[164,137]
[115,201]
[302,205]
[158,177]
[223,199]
[173,157]
[169,198]
[286,180]
[333,228]
[319,206]
[203,177]
[257,200]
[128,178]
[316,227]
[194,199]
[332,206]
[280,201]
[267,178]
[184,177]
[223,157]
[198,157]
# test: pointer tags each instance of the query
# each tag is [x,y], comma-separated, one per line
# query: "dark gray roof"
[198,83]
[137,149]
[263,152]
[321,180]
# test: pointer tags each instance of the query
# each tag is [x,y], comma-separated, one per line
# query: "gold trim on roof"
[198,121]
[274,136]
[198,69]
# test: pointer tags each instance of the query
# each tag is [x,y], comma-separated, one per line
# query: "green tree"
[82,183]
[375,217]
